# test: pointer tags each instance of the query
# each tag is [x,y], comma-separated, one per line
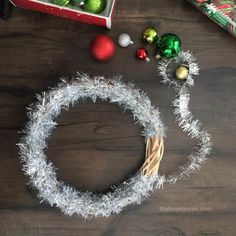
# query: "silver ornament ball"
[124,40]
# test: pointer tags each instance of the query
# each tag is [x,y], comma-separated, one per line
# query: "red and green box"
[45,6]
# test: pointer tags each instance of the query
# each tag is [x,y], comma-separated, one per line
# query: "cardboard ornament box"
[102,19]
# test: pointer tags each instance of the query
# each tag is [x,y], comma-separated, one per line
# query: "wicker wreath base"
[42,174]
[153,156]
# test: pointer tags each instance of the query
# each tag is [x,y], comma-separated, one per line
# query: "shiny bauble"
[181,72]
[124,40]
[102,48]
[93,6]
[150,35]
[169,45]
[142,54]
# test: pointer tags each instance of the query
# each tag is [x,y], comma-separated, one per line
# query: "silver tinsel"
[184,117]
[42,116]
[43,177]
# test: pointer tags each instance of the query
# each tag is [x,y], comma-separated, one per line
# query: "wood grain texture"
[95,145]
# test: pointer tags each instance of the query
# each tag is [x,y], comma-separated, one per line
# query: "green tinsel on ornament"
[61,2]
[169,45]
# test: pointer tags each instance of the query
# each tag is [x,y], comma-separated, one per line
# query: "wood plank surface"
[96,145]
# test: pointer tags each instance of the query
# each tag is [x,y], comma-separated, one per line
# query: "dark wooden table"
[95,145]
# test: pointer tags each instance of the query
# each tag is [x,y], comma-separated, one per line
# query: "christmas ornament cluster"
[91,6]
[102,47]
[167,46]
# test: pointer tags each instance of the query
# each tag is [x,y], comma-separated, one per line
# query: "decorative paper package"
[102,19]
[223,12]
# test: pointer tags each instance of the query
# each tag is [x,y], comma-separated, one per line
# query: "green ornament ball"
[93,6]
[61,2]
[150,35]
[169,45]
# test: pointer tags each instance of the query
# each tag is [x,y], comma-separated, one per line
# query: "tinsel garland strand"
[184,117]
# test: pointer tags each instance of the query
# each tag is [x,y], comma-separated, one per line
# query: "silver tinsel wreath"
[43,177]
[42,116]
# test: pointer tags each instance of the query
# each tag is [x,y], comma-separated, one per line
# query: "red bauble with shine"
[142,54]
[102,48]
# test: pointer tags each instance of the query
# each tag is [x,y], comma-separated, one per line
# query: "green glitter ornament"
[150,35]
[61,2]
[169,45]
[93,6]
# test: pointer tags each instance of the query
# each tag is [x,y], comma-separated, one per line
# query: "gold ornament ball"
[181,72]
[150,35]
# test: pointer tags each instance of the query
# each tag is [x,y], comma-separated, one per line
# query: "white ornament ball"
[124,40]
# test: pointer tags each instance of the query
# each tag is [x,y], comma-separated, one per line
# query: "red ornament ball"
[142,54]
[102,48]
